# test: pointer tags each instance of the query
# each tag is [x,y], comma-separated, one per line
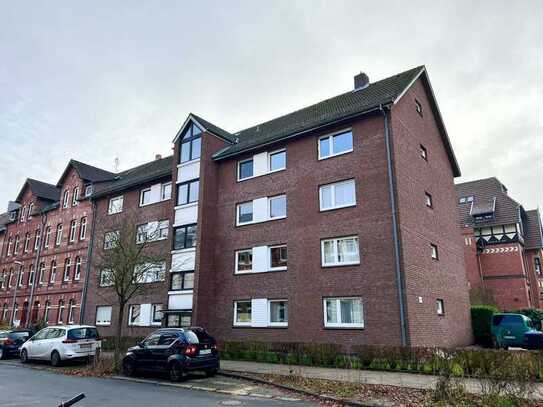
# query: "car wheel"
[129,368]
[176,372]
[55,359]
[24,356]
[211,372]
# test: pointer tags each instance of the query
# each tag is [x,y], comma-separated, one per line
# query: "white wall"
[186,215]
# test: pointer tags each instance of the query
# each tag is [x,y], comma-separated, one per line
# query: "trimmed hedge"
[494,364]
[481,321]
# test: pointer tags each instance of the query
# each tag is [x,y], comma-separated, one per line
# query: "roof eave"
[131,185]
[218,156]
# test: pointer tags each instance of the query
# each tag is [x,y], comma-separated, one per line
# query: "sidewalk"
[415,381]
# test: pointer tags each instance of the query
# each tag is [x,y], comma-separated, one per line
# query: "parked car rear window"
[191,337]
[83,333]
[19,335]
[202,335]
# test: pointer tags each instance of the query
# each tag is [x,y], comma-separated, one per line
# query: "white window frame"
[58,236]
[73,231]
[104,322]
[75,196]
[83,228]
[236,323]
[434,251]
[272,198]
[47,237]
[88,190]
[153,311]
[237,270]
[53,272]
[277,324]
[330,136]
[130,310]
[428,200]
[163,188]
[26,246]
[111,208]
[239,169]
[77,268]
[281,268]
[71,308]
[101,280]
[68,268]
[66,199]
[238,222]
[110,245]
[338,310]
[37,239]
[141,197]
[281,150]
[440,305]
[335,246]
[333,195]
[61,308]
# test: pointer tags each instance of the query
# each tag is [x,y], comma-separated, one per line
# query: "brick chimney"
[361,81]
[158,157]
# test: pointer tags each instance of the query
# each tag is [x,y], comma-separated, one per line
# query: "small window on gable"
[66,199]
[418,107]
[434,252]
[428,200]
[440,307]
[423,152]
[191,144]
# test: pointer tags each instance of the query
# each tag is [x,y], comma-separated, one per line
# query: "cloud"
[105,80]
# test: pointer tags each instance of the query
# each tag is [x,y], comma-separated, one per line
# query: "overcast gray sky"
[104,79]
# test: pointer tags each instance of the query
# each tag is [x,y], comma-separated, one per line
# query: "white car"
[60,343]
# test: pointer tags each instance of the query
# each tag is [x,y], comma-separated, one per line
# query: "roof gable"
[40,189]
[206,126]
[86,172]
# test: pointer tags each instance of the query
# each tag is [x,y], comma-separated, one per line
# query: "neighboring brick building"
[138,203]
[329,224]
[503,245]
[45,248]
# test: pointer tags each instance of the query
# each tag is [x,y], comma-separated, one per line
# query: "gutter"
[88,266]
[385,110]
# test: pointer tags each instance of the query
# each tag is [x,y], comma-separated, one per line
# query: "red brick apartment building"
[503,245]
[139,198]
[44,249]
[329,224]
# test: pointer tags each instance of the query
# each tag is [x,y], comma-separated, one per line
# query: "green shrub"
[481,320]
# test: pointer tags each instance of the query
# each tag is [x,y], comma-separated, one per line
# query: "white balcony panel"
[180,301]
[155,192]
[188,171]
[184,261]
[260,259]
[260,209]
[186,215]
[260,164]
[259,312]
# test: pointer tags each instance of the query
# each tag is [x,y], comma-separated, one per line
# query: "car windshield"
[83,333]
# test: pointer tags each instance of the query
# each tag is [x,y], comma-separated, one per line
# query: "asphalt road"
[25,387]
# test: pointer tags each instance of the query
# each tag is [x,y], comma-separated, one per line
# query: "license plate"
[205,351]
[85,345]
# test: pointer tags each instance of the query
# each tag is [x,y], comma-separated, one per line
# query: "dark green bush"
[481,320]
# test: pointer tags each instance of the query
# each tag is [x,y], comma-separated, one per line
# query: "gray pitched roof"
[87,172]
[141,174]
[533,234]
[215,129]
[41,190]
[484,191]
[342,107]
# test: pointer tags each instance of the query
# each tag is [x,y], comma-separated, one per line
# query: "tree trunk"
[118,337]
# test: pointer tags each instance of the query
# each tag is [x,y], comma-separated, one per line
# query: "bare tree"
[127,261]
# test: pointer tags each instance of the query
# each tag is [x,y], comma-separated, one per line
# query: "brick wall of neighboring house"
[533,276]
[427,279]
[132,215]
[306,282]
[68,291]
[471,261]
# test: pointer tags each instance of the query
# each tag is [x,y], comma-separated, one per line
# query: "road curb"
[323,397]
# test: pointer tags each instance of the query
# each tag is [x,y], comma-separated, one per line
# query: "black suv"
[176,351]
